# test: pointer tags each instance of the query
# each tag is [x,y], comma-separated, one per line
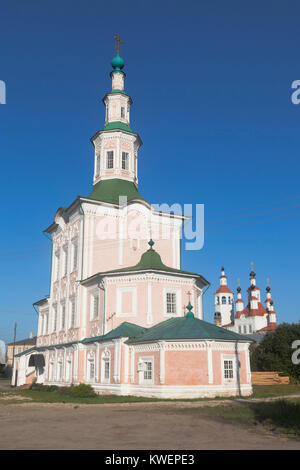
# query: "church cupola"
[253,290]
[116,146]
[223,302]
[270,306]
[239,305]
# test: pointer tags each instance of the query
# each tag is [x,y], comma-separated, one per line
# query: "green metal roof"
[117,125]
[151,260]
[179,328]
[126,329]
[187,328]
[110,190]
[49,346]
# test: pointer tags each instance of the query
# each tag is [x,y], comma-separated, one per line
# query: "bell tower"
[224,313]
[116,146]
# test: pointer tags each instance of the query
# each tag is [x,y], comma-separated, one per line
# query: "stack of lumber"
[268,378]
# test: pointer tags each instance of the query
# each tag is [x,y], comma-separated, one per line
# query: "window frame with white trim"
[110,157]
[167,303]
[144,370]
[105,359]
[94,305]
[228,368]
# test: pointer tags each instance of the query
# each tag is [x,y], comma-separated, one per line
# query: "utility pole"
[15,332]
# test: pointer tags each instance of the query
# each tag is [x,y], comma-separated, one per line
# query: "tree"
[275,351]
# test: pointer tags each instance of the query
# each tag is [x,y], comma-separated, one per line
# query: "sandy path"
[125,426]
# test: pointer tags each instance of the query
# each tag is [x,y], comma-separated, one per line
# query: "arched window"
[105,366]
[91,368]
[223,300]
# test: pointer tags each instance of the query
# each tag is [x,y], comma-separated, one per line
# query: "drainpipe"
[202,294]
[49,238]
[83,226]
[101,286]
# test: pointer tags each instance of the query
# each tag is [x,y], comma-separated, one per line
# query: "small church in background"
[254,318]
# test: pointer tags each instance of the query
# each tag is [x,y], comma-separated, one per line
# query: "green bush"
[43,388]
[78,391]
[82,391]
[275,351]
[63,390]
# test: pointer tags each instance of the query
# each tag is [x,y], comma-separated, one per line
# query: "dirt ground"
[156,426]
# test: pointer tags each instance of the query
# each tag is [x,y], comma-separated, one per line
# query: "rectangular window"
[92,370]
[98,164]
[245,329]
[54,318]
[122,112]
[171,302]
[51,369]
[95,306]
[250,328]
[240,329]
[73,313]
[125,161]
[56,275]
[110,160]
[63,316]
[148,371]
[228,369]
[106,370]
[74,255]
[65,267]
[68,371]
[60,369]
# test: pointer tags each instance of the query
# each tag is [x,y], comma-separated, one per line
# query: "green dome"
[117,63]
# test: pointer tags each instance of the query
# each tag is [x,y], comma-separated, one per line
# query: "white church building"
[249,319]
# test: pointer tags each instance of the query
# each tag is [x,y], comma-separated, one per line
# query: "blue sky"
[211,85]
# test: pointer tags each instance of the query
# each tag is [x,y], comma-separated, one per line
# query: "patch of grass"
[280,416]
[265,391]
[283,414]
[236,413]
[55,397]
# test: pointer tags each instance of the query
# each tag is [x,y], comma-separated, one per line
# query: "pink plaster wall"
[186,368]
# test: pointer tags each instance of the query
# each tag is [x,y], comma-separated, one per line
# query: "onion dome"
[252,274]
[190,313]
[117,63]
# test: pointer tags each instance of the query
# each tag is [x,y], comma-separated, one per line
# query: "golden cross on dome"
[268,281]
[238,280]
[118,41]
[252,265]
[189,294]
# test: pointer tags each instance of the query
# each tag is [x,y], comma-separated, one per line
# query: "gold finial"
[118,41]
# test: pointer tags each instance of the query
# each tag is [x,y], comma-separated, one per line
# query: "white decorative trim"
[210,366]
[162,364]
[120,291]
[149,304]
